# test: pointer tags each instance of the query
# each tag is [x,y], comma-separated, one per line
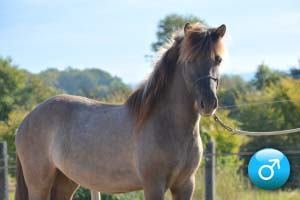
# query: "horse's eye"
[218,60]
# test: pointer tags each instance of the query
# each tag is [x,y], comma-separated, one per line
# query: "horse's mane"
[143,100]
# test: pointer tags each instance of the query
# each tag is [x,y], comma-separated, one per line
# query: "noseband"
[207,77]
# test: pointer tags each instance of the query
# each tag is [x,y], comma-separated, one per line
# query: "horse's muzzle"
[207,105]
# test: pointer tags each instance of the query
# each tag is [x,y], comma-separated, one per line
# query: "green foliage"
[35,92]
[19,89]
[295,71]
[12,81]
[274,116]
[231,89]
[85,194]
[82,194]
[277,115]
[92,83]
[264,77]
[170,24]
[126,196]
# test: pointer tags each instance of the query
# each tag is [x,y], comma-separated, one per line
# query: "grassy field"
[229,186]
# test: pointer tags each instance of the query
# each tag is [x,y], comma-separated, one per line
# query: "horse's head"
[200,56]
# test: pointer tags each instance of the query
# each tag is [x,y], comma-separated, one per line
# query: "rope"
[251,133]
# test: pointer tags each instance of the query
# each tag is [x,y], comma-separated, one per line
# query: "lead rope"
[250,133]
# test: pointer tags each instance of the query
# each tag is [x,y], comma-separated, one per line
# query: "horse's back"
[62,116]
[50,119]
[48,115]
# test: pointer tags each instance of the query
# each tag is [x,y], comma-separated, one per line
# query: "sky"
[116,35]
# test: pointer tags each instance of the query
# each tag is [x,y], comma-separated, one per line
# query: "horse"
[151,142]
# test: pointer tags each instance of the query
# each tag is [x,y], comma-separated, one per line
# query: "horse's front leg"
[154,191]
[184,191]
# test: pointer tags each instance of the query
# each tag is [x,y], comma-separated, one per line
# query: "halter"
[209,77]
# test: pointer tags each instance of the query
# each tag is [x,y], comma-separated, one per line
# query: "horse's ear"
[220,31]
[187,27]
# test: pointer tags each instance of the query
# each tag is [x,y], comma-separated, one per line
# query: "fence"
[221,176]
[3,172]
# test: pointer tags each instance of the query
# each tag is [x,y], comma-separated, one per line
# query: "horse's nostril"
[202,104]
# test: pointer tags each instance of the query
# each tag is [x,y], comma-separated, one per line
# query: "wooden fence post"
[95,195]
[3,172]
[210,171]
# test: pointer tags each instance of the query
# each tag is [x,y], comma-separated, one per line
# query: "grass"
[229,186]
[11,186]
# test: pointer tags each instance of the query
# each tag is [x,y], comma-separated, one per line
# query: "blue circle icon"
[269,169]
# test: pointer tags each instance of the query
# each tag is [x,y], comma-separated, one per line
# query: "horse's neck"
[178,105]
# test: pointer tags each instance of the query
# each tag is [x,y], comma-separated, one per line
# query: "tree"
[170,24]
[275,116]
[264,77]
[20,89]
[232,88]
[91,83]
[12,81]
[295,72]
[34,92]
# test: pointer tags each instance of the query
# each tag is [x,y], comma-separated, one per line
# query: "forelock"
[199,42]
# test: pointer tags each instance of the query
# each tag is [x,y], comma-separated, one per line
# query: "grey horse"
[150,142]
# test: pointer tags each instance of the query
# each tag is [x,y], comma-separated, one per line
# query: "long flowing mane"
[143,100]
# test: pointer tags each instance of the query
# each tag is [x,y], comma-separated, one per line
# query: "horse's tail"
[21,188]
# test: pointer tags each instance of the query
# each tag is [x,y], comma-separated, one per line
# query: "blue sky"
[115,35]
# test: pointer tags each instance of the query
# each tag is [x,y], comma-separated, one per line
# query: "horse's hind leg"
[39,179]
[63,188]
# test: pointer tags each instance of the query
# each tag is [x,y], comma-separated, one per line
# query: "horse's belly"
[109,179]
[101,167]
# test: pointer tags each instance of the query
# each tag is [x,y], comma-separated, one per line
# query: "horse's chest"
[188,159]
